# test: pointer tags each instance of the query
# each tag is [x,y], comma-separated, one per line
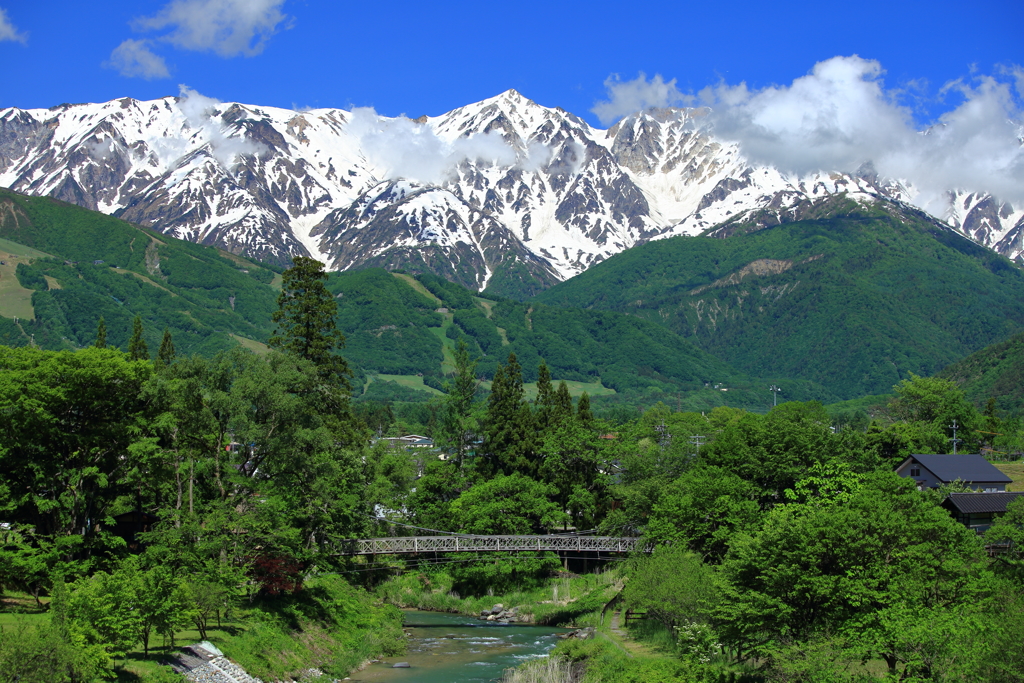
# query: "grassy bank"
[329,625]
[572,600]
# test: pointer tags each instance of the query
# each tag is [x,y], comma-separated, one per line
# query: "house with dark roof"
[979,510]
[971,469]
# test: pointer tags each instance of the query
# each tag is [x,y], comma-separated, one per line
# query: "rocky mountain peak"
[514,182]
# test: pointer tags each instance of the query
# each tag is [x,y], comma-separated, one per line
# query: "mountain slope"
[997,371]
[854,298]
[107,267]
[504,193]
[76,265]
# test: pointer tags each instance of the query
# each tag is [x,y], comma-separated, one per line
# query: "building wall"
[925,480]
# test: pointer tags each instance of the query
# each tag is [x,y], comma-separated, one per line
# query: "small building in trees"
[970,469]
[978,511]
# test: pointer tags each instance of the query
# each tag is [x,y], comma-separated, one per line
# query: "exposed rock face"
[558,197]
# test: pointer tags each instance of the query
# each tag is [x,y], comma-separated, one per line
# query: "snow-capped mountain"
[503,193]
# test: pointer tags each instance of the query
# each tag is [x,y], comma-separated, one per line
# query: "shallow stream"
[449,648]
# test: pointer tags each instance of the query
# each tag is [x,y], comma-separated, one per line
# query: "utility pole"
[775,395]
[698,440]
[955,440]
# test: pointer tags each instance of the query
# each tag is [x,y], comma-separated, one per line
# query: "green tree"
[163,604]
[513,504]
[937,403]
[306,321]
[71,420]
[545,401]
[137,349]
[509,429]
[101,334]
[674,586]
[1007,534]
[571,463]
[583,413]
[562,408]
[165,356]
[458,424]
[441,484]
[105,607]
[704,510]
[875,570]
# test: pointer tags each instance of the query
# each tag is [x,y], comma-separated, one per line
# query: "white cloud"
[226,27]
[134,59]
[202,115]
[402,148]
[8,31]
[629,97]
[840,116]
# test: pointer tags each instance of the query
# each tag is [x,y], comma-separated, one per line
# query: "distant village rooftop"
[972,469]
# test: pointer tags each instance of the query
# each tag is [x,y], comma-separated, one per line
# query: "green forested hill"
[399,325]
[854,301]
[65,266]
[100,265]
[997,371]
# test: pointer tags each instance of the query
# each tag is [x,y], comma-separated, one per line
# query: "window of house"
[915,471]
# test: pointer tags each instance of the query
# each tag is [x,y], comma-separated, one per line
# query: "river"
[449,648]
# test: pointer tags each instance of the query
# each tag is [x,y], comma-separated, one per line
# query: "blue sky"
[429,57]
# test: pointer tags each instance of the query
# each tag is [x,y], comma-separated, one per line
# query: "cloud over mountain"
[840,117]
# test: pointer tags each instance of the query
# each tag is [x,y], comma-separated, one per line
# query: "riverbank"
[330,626]
[571,600]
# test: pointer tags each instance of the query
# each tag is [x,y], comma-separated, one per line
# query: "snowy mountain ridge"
[498,193]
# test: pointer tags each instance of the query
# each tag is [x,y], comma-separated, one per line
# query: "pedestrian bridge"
[468,543]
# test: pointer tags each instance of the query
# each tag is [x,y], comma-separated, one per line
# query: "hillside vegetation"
[101,266]
[854,300]
[996,372]
[65,267]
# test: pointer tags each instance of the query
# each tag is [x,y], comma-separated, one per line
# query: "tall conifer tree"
[165,356]
[545,398]
[137,349]
[563,403]
[583,410]
[306,321]
[101,334]
[510,431]
[457,424]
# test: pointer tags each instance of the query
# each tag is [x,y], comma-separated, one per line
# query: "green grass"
[251,344]
[1015,471]
[486,304]
[9,248]
[148,281]
[447,345]
[417,285]
[409,381]
[576,389]
[15,300]
[576,600]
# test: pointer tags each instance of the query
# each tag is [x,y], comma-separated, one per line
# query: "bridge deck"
[459,544]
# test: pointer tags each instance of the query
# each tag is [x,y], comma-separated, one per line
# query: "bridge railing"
[467,543]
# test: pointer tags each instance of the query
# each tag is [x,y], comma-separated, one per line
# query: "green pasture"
[409,381]
[417,285]
[15,300]
[251,344]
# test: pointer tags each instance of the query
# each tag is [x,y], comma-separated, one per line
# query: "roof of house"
[969,468]
[982,502]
